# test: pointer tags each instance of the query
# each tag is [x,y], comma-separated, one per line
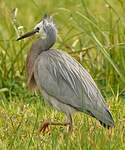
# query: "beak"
[28,34]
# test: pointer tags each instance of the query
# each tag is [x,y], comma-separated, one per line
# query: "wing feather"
[66,79]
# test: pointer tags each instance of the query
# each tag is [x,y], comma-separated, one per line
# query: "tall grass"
[93,32]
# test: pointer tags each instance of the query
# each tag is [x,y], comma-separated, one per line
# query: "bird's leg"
[47,123]
[68,122]
[69,119]
[70,125]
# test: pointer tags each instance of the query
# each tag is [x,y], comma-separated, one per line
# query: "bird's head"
[45,26]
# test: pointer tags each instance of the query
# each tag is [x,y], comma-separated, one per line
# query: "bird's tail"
[103,116]
[106,121]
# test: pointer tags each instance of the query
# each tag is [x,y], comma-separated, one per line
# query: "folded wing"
[65,79]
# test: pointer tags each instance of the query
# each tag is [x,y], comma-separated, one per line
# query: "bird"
[63,82]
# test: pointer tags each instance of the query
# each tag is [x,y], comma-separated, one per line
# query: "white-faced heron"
[62,80]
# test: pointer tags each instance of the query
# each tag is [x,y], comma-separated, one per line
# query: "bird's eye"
[37,29]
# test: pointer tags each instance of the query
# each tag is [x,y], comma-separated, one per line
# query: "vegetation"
[93,32]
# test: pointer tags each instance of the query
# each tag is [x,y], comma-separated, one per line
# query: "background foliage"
[93,32]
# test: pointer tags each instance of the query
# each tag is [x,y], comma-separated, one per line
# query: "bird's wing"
[65,79]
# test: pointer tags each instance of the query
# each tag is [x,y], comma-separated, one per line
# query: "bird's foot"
[44,127]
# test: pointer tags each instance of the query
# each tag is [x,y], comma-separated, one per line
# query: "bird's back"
[65,79]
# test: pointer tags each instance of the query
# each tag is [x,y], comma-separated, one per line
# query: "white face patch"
[47,24]
[41,30]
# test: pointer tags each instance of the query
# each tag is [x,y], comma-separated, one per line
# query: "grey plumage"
[66,80]
[62,80]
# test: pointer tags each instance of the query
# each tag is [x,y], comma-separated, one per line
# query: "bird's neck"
[49,40]
[37,48]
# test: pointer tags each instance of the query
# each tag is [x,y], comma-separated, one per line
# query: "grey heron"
[63,82]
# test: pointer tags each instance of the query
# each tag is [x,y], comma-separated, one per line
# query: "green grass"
[93,32]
